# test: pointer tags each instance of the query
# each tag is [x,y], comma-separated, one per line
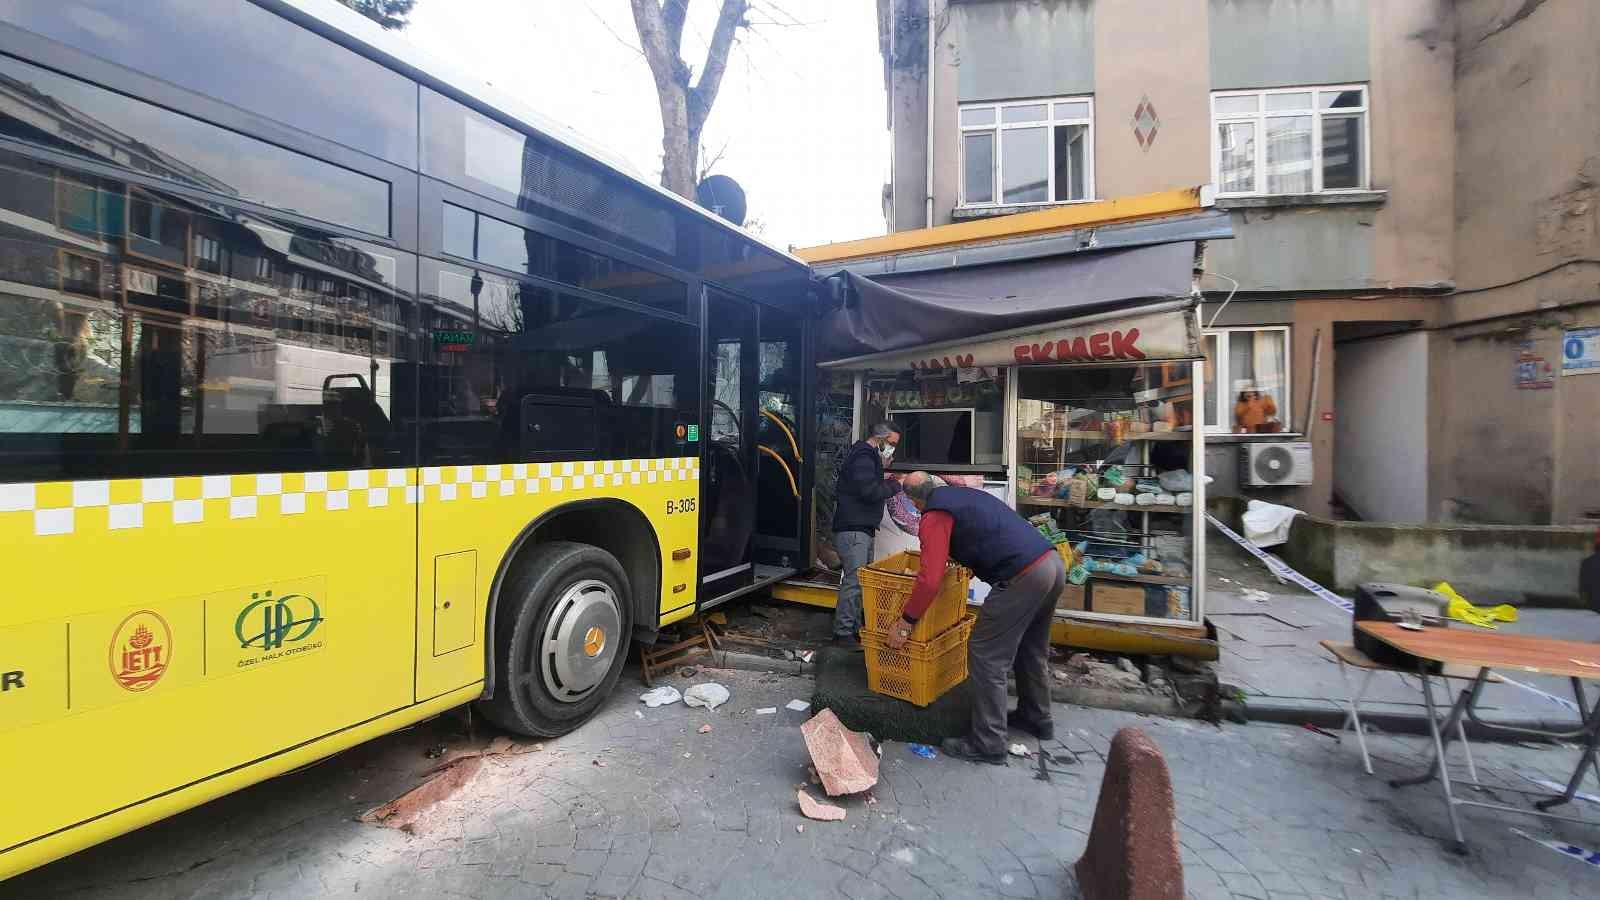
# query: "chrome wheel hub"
[580,640]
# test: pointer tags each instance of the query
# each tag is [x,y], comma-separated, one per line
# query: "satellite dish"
[723,196]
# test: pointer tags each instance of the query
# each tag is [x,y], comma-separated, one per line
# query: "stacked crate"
[934,660]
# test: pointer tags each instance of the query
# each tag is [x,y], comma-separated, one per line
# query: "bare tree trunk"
[684,106]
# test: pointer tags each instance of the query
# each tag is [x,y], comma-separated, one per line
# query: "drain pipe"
[928,215]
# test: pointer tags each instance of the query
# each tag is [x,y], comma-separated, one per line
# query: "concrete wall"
[1528,151]
[1381,432]
[1289,249]
[1151,49]
[1487,564]
[1049,48]
[1412,120]
[1527,261]
[1125,51]
[1284,43]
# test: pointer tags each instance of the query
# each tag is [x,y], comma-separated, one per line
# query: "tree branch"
[613,32]
[704,93]
[673,14]
[658,53]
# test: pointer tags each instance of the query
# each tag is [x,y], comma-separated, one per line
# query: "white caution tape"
[1559,788]
[1559,701]
[1282,569]
[1587,857]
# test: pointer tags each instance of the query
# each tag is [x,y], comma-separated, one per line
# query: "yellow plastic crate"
[886,586]
[921,671]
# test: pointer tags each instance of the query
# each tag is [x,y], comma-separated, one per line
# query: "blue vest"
[988,537]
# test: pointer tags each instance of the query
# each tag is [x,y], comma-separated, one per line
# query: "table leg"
[1353,715]
[1436,763]
[1466,747]
[1440,742]
[1591,721]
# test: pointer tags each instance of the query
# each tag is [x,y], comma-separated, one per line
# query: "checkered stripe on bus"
[65,507]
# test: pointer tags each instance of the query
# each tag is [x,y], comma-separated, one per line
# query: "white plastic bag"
[660,696]
[1267,524]
[709,694]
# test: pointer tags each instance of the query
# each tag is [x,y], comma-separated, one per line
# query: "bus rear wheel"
[561,639]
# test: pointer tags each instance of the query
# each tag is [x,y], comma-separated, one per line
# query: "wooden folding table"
[1436,648]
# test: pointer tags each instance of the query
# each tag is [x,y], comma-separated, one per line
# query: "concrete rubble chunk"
[843,758]
[708,694]
[817,809]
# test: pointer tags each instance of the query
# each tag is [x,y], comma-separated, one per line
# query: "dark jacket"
[988,537]
[861,490]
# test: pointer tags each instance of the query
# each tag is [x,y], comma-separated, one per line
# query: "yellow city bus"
[335,392]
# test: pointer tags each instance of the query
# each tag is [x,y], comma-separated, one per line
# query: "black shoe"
[961,748]
[847,642]
[1043,732]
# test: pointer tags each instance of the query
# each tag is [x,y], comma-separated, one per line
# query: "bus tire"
[562,634]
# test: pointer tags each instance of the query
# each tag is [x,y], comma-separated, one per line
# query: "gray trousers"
[855,551]
[1013,632]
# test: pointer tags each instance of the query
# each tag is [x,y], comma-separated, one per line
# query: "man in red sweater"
[1026,575]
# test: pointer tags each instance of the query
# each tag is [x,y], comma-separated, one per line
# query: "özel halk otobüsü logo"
[272,627]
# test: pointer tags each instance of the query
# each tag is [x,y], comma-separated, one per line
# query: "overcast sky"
[801,110]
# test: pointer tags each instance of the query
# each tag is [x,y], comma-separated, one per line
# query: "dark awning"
[897,312]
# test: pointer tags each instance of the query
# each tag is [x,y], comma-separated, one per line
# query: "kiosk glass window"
[950,418]
[1103,465]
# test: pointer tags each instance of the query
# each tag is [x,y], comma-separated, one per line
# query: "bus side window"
[552,374]
[177,340]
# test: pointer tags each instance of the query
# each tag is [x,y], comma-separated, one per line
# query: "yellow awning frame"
[1000,228]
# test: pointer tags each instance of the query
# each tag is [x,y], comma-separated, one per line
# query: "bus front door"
[728,447]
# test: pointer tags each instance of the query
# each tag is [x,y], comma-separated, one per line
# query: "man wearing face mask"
[862,491]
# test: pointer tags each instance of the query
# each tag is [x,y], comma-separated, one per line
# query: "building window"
[1032,151]
[1290,141]
[207,254]
[1247,380]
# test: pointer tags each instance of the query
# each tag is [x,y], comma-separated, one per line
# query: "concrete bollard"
[1133,844]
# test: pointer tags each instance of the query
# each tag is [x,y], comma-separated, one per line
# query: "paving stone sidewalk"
[1270,650]
[1266,811]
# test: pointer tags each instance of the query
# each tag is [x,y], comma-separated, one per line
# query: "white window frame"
[1221,386]
[1259,119]
[999,126]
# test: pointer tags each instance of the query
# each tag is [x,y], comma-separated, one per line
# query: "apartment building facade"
[1411,184]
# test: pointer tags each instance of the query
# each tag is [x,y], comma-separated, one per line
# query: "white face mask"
[887,452]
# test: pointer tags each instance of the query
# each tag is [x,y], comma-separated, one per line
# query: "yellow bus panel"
[166,640]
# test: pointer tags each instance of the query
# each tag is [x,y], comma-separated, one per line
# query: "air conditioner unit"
[1275,464]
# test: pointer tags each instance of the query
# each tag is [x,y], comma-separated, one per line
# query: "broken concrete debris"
[405,811]
[708,694]
[797,705]
[843,758]
[818,810]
